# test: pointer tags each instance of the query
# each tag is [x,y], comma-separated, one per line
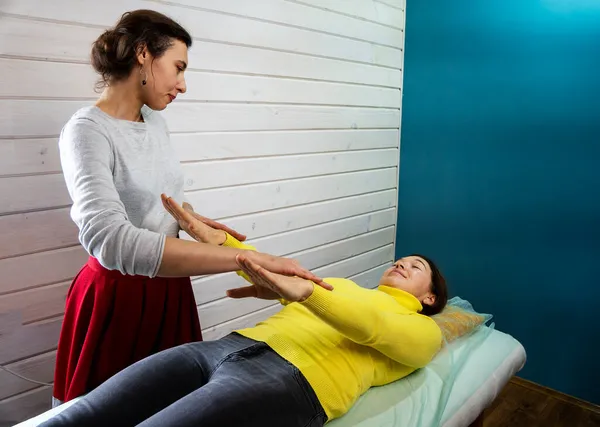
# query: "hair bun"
[111,56]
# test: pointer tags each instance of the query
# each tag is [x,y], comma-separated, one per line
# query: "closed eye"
[181,65]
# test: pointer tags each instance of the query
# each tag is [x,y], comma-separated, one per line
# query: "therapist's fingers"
[168,203]
[218,226]
[165,202]
[181,214]
[308,275]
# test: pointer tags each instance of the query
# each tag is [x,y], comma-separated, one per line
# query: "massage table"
[452,391]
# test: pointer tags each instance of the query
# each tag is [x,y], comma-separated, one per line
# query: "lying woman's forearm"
[182,258]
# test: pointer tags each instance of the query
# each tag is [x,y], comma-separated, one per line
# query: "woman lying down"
[303,366]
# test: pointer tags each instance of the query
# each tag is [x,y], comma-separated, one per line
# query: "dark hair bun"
[113,56]
[114,53]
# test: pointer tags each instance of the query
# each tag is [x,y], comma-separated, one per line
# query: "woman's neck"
[121,100]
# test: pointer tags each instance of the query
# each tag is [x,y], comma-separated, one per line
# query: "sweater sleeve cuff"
[161,252]
[319,301]
[232,242]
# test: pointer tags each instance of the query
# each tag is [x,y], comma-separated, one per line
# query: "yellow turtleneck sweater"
[350,339]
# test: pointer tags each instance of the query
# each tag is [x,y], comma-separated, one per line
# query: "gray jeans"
[234,381]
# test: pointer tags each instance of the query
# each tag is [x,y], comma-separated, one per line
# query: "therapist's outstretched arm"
[183,258]
[212,238]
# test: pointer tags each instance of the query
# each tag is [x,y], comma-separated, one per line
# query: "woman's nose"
[182,87]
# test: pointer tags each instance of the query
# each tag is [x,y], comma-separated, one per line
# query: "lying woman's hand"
[282,266]
[269,285]
[188,222]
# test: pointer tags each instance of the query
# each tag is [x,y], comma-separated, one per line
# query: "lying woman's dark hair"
[114,53]
[438,288]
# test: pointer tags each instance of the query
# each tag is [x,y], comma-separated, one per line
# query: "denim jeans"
[234,381]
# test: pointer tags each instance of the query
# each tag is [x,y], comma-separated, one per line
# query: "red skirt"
[113,320]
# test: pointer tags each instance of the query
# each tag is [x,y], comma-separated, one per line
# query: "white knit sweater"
[115,171]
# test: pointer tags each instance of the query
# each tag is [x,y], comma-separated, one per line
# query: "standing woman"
[133,297]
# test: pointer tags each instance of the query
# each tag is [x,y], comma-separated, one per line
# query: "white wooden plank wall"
[289,132]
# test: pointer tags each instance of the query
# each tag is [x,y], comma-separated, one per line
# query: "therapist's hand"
[200,228]
[269,285]
[213,224]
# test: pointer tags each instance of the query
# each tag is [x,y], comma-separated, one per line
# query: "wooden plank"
[297,15]
[46,40]
[26,340]
[361,9]
[36,231]
[30,118]
[41,155]
[312,237]
[365,279]
[282,220]
[223,173]
[217,27]
[9,321]
[211,288]
[63,42]
[230,145]
[396,4]
[226,309]
[183,117]
[281,37]
[29,156]
[39,269]
[26,193]
[45,79]
[554,394]
[232,201]
[42,118]
[67,80]
[74,10]
[38,303]
[26,405]
[39,368]
[216,56]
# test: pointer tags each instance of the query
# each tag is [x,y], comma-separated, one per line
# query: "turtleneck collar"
[407,300]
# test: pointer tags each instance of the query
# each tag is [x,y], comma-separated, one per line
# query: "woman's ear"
[142,54]
[429,299]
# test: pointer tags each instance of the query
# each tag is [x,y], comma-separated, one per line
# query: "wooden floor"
[525,404]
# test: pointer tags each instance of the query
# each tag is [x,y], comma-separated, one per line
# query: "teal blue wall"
[500,170]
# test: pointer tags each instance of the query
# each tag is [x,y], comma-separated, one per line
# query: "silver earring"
[143,78]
